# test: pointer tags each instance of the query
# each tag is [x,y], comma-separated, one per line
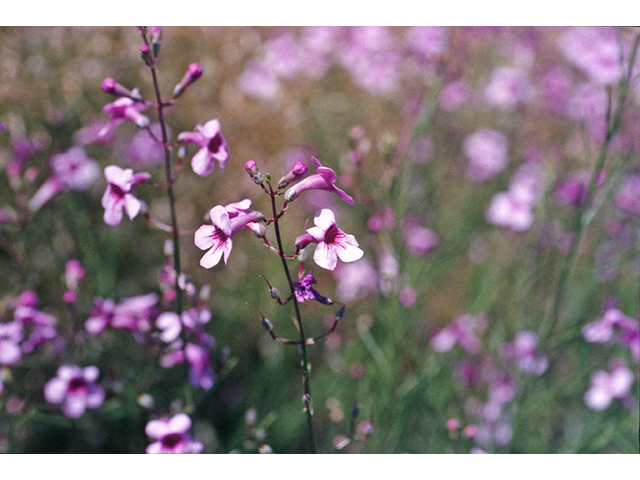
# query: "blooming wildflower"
[124,108]
[41,324]
[628,197]
[605,386]
[323,180]
[524,349]
[75,389]
[10,337]
[118,196]
[171,435]
[487,151]
[602,330]
[596,51]
[508,88]
[463,330]
[133,314]
[212,145]
[217,237]
[332,242]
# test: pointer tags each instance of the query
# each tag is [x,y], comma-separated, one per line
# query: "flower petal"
[325,256]
[203,238]
[203,162]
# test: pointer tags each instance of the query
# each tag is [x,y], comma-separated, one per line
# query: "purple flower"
[124,108]
[74,169]
[217,237]
[332,242]
[508,88]
[524,349]
[453,95]
[118,196]
[323,180]
[200,371]
[355,280]
[10,337]
[487,151]
[171,435]
[602,330]
[133,314]
[628,197]
[144,149]
[41,324]
[463,330]
[212,147]
[298,170]
[75,389]
[605,386]
[193,73]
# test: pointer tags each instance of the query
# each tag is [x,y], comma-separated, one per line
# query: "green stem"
[305,361]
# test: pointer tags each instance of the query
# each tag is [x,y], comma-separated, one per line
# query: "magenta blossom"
[75,389]
[124,108]
[212,147]
[118,196]
[217,237]
[332,242]
[171,435]
[323,180]
[10,336]
[524,349]
[603,330]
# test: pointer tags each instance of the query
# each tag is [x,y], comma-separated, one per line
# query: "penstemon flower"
[118,196]
[332,242]
[213,147]
[75,389]
[323,180]
[171,435]
[217,237]
[124,108]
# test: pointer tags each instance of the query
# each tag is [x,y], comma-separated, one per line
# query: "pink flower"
[10,336]
[75,389]
[74,169]
[463,330]
[226,223]
[508,88]
[323,180]
[213,147]
[124,108]
[193,73]
[628,198]
[118,196]
[602,330]
[133,314]
[487,151]
[332,242]
[524,349]
[605,386]
[171,435]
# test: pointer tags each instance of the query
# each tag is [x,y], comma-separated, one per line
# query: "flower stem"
[582,217]
[305,361]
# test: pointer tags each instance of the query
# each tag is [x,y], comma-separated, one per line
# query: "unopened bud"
[110,86]
[145,53]
[252,169]
[156,39]
[302,255]
[298,170]
[273,291]
[193,73]
[205,292]
[340,313]
[258,229]
[268,326]
[306,401]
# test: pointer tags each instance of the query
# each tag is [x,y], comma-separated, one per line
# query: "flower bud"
[252,169]
[110,86]
[267,324]
[302,255]
[273,291]
[145,53]
[258,229]
[156,39]
[193,73]
[298,170]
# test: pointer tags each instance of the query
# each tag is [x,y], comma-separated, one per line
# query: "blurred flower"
[144,150]
[572,190]
[75,389]
[628,197]
[193,73]
[10,337]
[124,108]
[73,273]
[605,386]
[323,180]
[428,42]
[487,151]
[524,349]
[259,81]
[133,314]
[508,88]
[171,435]
[41,326]
[420,240]
[200,370]
[602,330]
[454,95]
[355,280]
[463,330]
[213,147]
[217,237]
[118,196]
[556,86]
[332,242]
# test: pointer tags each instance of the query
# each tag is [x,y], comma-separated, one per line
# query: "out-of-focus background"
[470,323]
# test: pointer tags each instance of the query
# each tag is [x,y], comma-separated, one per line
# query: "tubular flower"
[75,389]
[212,147]
[332,242]
[124,108]
[323,180]
[171,435]
[217,237]
[118,196]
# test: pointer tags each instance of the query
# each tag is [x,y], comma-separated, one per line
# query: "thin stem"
[167,169]
[303,345]
[581,220]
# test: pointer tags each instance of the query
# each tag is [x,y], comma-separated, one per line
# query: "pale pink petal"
[180,423]
[67,372]
[95,397]
[118,176]
[55,390]
[211,128]
[349,253]
[170,324]
[74,407]
[212,257]
[220,218]
[203,163]
[316,233]
[324,219]
[157,428]
[155,447]
[132,205]
[203,238]
[621,380]
[325,257]
[91,373]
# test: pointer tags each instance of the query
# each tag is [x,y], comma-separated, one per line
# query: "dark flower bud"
[193,73]
[298,170]
[252,169]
